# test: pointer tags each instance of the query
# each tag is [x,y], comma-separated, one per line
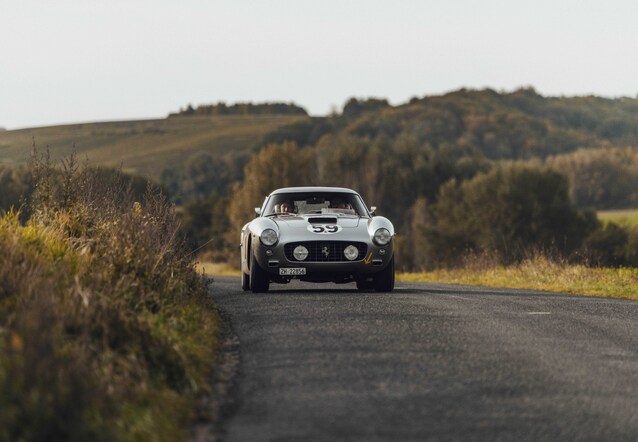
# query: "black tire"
[384,280]
[259,281]
[245,277]
[245,281]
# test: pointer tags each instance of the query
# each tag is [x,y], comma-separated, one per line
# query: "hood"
[303,221]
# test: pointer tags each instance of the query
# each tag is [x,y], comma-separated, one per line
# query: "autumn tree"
[278,165]
[601,178]
[356,163]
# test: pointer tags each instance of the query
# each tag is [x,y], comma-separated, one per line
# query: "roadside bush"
[205,223]
[611,246]
[632,247]
[508,211]
[15,186]
[411,244]
[106,331]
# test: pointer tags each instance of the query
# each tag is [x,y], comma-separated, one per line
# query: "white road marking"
[459,297]
[539,313]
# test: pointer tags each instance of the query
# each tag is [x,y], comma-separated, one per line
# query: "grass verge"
[540,273]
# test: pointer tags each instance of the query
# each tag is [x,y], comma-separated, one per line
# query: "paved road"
[430,362]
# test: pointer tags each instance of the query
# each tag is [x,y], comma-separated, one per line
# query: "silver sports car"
[317,234]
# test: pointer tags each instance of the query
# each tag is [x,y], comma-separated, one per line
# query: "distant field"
[146,147]
[628,218]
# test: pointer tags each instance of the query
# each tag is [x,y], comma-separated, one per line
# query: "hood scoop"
[322,220]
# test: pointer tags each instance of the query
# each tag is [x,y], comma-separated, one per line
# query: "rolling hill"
[145,147]
[447,132]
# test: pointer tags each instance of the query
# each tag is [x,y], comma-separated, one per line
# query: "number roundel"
[324,229]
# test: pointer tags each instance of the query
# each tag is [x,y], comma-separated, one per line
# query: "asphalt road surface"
[429,362]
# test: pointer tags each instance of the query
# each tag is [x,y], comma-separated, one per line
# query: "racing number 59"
[325,229]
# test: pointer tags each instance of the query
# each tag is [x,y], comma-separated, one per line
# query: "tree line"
[222,108]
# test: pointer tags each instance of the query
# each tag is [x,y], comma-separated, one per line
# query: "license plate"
[292,271]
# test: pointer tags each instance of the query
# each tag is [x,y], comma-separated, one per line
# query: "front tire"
[384,280]
[245,281]
[245,278]
[259,281]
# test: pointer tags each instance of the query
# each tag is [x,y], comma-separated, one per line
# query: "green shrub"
[611,245]
[15,185]
[508,211]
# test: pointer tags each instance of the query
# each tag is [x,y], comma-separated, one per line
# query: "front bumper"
[376,258]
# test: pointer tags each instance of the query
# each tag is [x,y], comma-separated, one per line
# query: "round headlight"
[268,237]
[300,253]
[382,236]
[351,253]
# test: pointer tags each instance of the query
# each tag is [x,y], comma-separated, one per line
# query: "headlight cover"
[382,236]
[351,253]
[268,237]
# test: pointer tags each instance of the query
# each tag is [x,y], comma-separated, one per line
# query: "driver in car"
[286,207]
[339,204]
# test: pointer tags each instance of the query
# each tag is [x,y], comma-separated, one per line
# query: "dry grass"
[217,269]
[540,273]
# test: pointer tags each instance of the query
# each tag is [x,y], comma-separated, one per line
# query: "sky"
[70,61]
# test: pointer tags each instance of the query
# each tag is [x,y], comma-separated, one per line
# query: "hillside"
[479,123]
[516,125]
[145,147]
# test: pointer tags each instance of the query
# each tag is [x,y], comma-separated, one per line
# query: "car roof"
[313,189]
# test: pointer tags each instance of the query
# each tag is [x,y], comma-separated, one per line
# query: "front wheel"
[259,281]
[245,281]
[384,280]
[245,278]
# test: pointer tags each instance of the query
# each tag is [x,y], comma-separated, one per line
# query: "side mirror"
[258,210]
[373,209]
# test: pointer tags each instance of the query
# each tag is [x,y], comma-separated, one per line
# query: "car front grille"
[326,251]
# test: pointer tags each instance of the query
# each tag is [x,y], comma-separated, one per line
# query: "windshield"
[340,204]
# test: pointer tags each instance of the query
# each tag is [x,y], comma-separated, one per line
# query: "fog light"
[268,252]
[382,252]
[300,253]
[351,253]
